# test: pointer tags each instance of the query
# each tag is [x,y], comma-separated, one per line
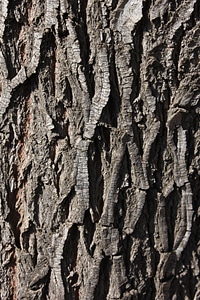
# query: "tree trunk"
[100,149]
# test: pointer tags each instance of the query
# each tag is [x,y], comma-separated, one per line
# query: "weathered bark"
[100,149]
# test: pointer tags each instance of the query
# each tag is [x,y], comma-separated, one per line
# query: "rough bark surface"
[100,149]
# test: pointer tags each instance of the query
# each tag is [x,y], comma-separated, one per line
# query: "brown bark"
[99,130]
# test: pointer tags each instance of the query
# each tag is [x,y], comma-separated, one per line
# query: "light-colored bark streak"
[101,96]
[57,248]
[138,174]
[3,15]
[74,57]
[187,212]
[82,182]
[126,16]
[51,12]
[181,179]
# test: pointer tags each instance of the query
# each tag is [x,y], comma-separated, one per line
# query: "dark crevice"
[136,58]
[156,163]
[151,208]
[175,136]
[89,229]
[124,182]
[47,63]
[83,34]
[114,4]
[62,29]
[161,111]
[12,198]
[102,288]
[45,289]
[145,13]
[74,5]
[111,111]
[69,262]
[20,95]
[13,27]
[11,55]
[149,292]
[36,196]
[127,244]
[196,13]
[138,135]
[64,206]
[171,208]
[42,284]
[119,210]
[84,43]
[14,216]
[68,93]
[157,22]
[87,68]
[61,127]
[176,52]
[95,172]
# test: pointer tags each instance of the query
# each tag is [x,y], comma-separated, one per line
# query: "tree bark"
[100,149]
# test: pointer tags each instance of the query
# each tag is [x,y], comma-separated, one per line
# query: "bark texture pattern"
[100,149]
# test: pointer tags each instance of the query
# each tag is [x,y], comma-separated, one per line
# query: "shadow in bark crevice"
[47,64]
[89,229]
[69,262]
[124,182]
[102,288]
[10,53]
[172,206]
[36,198]
[101,143]
[14,215]
[112,109]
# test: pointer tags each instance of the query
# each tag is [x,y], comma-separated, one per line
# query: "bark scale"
[99,130]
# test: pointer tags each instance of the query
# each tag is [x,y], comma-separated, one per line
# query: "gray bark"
[100,149]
